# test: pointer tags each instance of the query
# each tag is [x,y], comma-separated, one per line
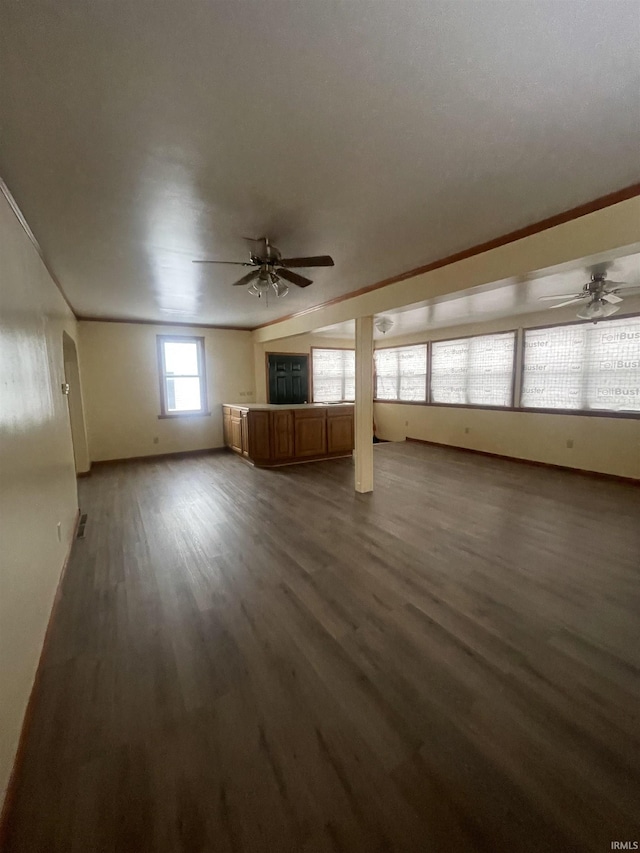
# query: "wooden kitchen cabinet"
[236,432]
[244,433]
[339,432]
[259,447]
[282,434]
[310,433]
[270,435]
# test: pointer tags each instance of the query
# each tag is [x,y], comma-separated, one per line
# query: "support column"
[364,405]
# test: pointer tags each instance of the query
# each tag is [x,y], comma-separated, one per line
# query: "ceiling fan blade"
[608,283]
[568,302]
[561,296]
[294,278]
[627,289]
[234,263]
[611,297]
[246,278]
[318,261]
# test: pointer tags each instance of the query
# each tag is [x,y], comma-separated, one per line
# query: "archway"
[76,409]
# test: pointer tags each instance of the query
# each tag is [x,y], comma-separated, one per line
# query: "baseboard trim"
[583,471]
[154,457]
[27,719]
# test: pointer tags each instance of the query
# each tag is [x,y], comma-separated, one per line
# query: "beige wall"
[121,389]
[607,445]
[37,474]
[296,343]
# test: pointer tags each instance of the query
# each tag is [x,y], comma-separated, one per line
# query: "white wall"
[37,472]
[121,389]
[606,445]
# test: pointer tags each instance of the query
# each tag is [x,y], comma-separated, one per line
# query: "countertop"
[269,406]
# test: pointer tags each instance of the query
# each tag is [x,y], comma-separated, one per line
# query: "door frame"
[300,354]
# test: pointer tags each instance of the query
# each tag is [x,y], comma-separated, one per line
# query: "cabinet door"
[226,426]
[236,432]
[310,433]
[259,444]
[244,433]
[339,433]
[282,434]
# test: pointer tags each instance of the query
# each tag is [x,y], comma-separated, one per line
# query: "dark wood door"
[288,378]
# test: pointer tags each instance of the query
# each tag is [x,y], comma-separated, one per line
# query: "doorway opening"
[75,407]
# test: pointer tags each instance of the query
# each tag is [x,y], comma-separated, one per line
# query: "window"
[334,375]
[182,376]
[583,366]
[473,371]
[401,374]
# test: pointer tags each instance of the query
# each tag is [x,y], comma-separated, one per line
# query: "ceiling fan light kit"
[597,309]
[601,293]
[271,268]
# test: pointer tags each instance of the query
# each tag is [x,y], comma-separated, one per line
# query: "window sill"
[588,413]
[184,415]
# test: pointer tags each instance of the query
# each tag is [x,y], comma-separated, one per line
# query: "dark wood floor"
[250,660]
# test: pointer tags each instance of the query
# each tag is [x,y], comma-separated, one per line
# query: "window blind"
[334,375]
[473,371]
[583,367]
[401,373]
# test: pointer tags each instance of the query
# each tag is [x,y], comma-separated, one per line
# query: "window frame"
[585,413]
[511,406]
[427,380]
[518,374]
[202,375]
[311,387]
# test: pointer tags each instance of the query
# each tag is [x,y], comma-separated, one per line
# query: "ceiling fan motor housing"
[269,256]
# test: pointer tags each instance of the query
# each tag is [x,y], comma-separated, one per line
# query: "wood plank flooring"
[247,660]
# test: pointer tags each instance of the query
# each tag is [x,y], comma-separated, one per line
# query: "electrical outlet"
[406,423]
[59,528]
[569,443]
[466,429]
[156,440]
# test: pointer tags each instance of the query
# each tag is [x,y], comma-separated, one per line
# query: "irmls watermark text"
[625,845]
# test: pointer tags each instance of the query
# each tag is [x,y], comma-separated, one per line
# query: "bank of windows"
[334,375]
[579,367]
[182,376]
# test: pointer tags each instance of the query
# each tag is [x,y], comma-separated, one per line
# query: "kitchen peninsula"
[268,434]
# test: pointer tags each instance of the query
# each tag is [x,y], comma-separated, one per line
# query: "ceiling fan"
[601,296]
[270,267]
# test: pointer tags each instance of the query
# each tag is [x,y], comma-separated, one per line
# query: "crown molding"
[82,319]
[527,231]
[13,204]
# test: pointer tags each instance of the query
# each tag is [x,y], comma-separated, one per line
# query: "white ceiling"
[139,135]
[505,299]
